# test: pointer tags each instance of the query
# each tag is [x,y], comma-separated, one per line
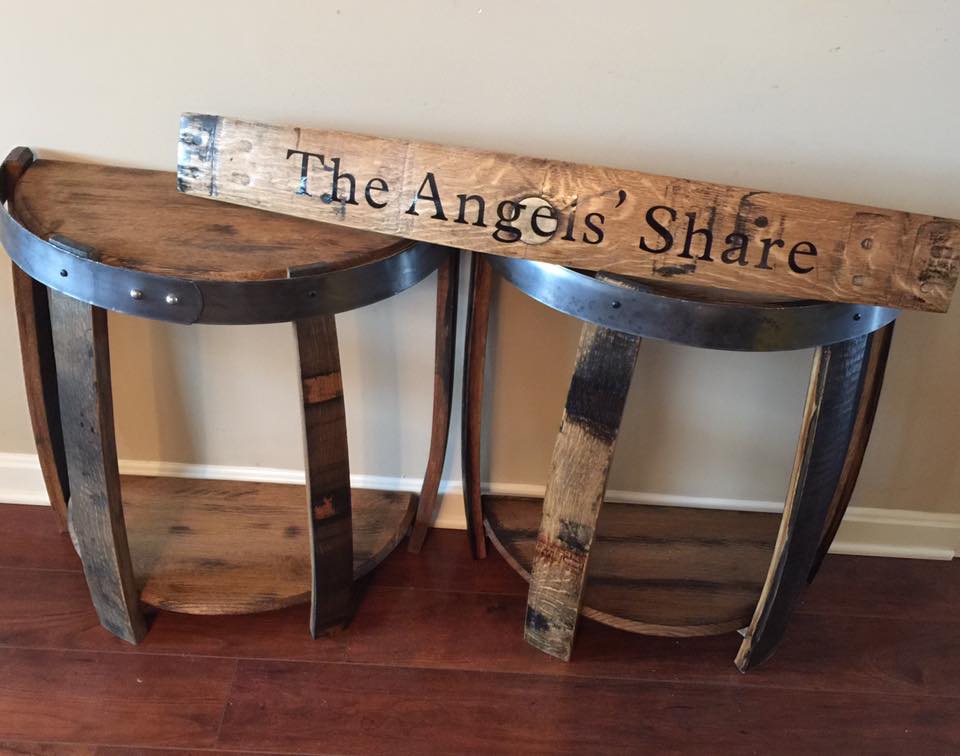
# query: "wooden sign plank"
[635,224]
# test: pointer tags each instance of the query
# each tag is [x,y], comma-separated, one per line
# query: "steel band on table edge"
[65,265]
[710,325]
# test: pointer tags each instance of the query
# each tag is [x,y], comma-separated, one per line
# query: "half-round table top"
[136,219]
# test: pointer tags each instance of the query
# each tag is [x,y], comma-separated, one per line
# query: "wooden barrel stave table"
[655,570]
[87,238]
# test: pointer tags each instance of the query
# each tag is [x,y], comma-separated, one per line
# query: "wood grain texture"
[836,385]
[577,482]
[15,164]
[37,359]
[478,632]
[627,222]
[471,411]
[897,648]
[136,219]
[893,682]
[29,538]
[655,570]
[40,379]
[96,512]
[447,566]
[231,547]
[274,706]
[34,748]
[328,473]
[448,283]
[878,350]
[124,699]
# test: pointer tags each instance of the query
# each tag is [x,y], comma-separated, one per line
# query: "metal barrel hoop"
[753,327]
[71,268]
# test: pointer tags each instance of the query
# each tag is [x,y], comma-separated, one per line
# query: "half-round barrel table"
[86,239]
[661,570]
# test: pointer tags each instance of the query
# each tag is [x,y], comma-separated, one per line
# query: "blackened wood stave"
[40,379]
[96,511]
[878,350]
[475,348]
[578,479]
[39,365]
[836,385]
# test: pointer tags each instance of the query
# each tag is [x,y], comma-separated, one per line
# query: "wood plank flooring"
[434,662]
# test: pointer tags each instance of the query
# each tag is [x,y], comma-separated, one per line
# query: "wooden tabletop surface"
[137,219]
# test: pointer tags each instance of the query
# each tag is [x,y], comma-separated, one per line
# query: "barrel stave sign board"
[627,222]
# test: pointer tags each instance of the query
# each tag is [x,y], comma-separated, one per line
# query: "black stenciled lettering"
[662,231]
[597,228]
[765,254]
[571,219]
[706,233]
[480,204]
[433,197]
[546,212]
[809,251]
[738,243]
[304,168]
[337,178]
[505,232]
[370,188]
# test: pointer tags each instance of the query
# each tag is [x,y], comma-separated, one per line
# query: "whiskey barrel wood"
[625,222]
[327,471]
[32,301]
[878,350]
[233,547]
[829,418]
[671,571]
[448,284]
[579,468]
[123,239]
[39,365]
[83,374]
[137,219]
[552,547]
[471,409]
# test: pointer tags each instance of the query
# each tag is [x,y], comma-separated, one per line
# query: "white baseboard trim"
[866,531]
[21,481]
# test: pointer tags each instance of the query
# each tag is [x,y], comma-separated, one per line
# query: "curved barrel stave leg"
[579,468]
[878,349]
[829,417]
[96,510]
[448,281]
[40,378]
[328,473]
[478,319]
[39,365]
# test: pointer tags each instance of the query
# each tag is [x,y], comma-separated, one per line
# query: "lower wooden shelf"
[672,571]
[230,547]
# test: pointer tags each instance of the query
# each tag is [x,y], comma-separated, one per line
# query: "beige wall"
[852,101]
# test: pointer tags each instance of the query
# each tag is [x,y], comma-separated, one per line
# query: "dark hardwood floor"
[435,662]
